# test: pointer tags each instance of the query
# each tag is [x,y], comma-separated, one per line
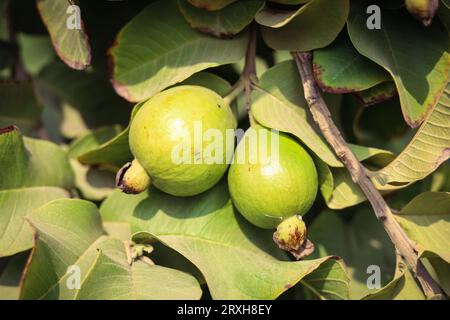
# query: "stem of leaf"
[322,117]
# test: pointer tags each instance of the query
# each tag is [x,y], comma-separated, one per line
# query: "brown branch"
[322,117]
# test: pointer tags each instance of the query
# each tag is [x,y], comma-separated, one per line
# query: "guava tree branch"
[322,117]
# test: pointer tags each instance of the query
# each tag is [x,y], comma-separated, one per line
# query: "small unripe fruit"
[291,232]
[132,178]
[423,10]
[291,236]
[167,140]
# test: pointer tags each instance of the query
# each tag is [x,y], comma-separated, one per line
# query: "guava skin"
[167,121]
[266,193]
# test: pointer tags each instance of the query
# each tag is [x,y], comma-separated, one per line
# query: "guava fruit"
[423,10]
[275,187]
[171,138]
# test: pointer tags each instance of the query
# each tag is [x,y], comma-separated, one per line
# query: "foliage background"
[71,94]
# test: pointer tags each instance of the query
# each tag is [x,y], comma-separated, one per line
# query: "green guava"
[272,188]
[178,138]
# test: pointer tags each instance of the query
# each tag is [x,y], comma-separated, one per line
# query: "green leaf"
[19,106]
[444,14]
[15,234]
[339,68]
[279,103]
[402,287]
[209,80]
[10,277]
[87,99]
[426,221]
[238,261]
[441,270]
[377,94]
[211,5]
[305,29]
[107,146]
[422,74]
[223,23]
[113,279]
[36,52]
[328,282]
[69,233]
[168,52]
[71,44]
[326,181]
[33,173]
[428,149]
[32,163]
[361,242]
[94,184]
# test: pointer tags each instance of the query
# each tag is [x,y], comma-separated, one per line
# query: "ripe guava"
[171,138]
[276,188]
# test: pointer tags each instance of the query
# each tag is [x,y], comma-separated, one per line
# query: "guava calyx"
[423,10]
[291,236]
[136,252]
[132,178]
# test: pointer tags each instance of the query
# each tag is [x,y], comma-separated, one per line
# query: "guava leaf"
[10,277]
[87,99]
[19,106]
[444,14]
[209,80]
[422,74]
[32,162]
[428,149]
[378,93]
[426,221]
[326,181]
[211,5]
[360,242]
[440,270]
[33,173]
[168,52]
[278,103]
[328,282]
[36,52]
[106,146]
[69,234]
[71,44]
[238,261]
[340,68]
[223,23]
[93,183]
[111,278]
[402,287]
[305,29]
[15,234]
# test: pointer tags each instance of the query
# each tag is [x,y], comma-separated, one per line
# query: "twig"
[322,117]
[248,76]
